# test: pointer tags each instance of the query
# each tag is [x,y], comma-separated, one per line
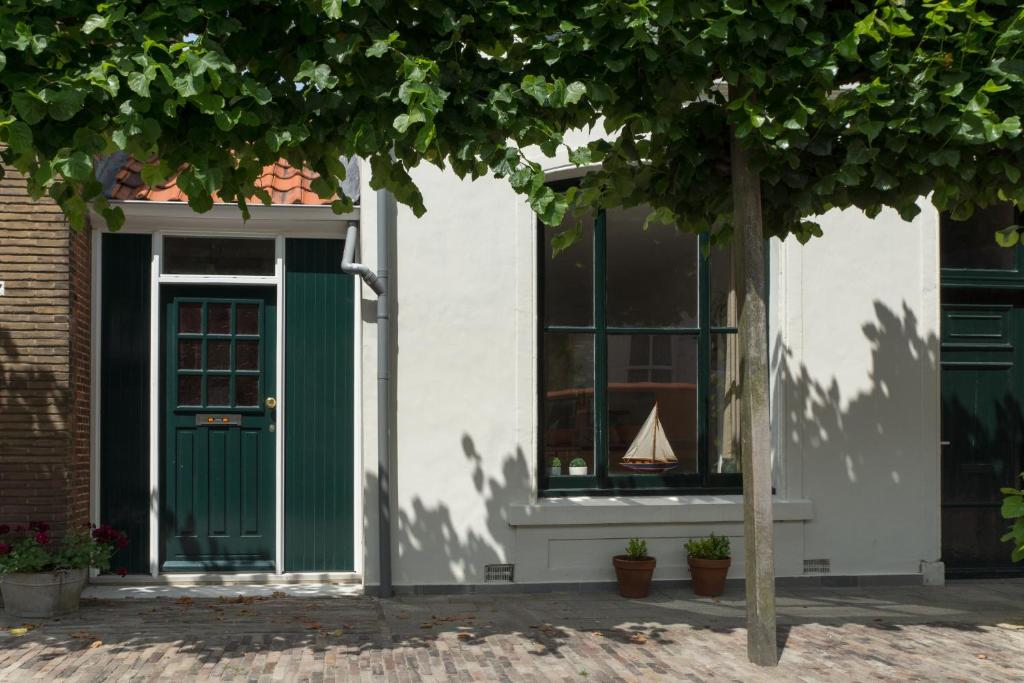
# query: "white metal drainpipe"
[378,282]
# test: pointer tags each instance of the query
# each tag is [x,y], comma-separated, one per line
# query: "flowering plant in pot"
[41,577]
[709,562]
[634,570]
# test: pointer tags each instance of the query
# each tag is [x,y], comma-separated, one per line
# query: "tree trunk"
[755,430]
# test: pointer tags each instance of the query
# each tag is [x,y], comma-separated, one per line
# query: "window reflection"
[569,275]
[644,370]
[652,274]
[568,400]
[972,244]
[724,404]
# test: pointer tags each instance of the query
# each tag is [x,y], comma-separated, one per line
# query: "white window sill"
[592,511]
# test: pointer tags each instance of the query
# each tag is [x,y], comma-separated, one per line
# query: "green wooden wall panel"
[124,394]
[318,410]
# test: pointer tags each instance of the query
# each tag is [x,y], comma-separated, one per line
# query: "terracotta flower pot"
[44,594]
[634,575]
[708,576]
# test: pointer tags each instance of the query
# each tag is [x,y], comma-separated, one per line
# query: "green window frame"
[601,481]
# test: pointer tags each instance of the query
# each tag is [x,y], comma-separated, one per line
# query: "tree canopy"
[840,103]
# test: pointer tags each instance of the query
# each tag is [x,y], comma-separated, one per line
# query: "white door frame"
[175,219]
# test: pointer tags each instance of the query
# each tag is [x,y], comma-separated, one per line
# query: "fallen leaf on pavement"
[279,594]
[638,638]
[403,615]
[465,636]
[336,632]
[95,644]
[982,656]
[21,630]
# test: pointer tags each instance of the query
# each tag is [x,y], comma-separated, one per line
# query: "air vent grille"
[499,573]
[817,567]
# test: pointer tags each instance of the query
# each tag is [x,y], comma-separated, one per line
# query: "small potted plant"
[577,467]
[40,577]
[555,469]
[634,570]
[709,562]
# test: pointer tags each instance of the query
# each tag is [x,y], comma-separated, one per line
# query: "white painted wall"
[859,403]
[854,324]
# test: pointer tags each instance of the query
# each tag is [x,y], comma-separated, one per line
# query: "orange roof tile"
[285,183]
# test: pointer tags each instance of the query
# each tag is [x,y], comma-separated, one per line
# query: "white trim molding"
[648,510]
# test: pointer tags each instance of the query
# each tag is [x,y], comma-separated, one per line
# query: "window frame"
[601,482]
[975,278]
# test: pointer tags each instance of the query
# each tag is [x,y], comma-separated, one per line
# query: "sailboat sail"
[650,450]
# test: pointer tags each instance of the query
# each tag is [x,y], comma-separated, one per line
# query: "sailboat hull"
[650,467]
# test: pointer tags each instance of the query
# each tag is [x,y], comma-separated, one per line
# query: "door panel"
[218,486]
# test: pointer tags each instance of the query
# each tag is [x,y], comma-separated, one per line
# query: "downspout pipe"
[387,217]
[378,283]
[359,269]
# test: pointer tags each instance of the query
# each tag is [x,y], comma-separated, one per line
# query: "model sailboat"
[650,451]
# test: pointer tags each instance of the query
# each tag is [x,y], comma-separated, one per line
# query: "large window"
[638,360]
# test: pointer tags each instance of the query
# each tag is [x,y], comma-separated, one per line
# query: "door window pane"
[247,389]
[972,243]
[218,354]
[247,319]
[189,354]
[190,317]
[569,275]
[724,404]
[189,390]
[569,399]
[645,371]
[218,256]
[651,274]
[217,390]
[218,318]
[247,354]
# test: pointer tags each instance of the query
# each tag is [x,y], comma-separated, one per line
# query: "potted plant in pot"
[634,570]
[577,467]
[555,469]
[709,562]
[40,577]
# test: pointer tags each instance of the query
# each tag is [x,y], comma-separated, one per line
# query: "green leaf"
[1013,507]
[332,8]
[78,166]
[93,22]
[138,83]
[62,104]
[30,108]
[3,60]
[1008,237]
[19,137]
[847,47]
[573,92]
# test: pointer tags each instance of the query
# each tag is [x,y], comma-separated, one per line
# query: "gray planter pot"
[45,594]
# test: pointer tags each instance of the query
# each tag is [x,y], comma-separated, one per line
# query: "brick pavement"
[967,631]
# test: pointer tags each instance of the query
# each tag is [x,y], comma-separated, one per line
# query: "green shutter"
[318,408]
[124,394]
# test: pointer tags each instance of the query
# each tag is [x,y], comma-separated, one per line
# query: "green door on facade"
[982,365]
[218,464]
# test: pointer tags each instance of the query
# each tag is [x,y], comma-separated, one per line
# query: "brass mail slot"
[218,419]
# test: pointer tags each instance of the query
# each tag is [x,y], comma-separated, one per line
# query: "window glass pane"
[724,404]
[218,318]
[218,354]
[247,354]
[641,441]
[568,386]
[569,276]
[218,256]
[189,388]
[190,317]
[723,311]
[217,387]
[247,390]
[652,274]
[189,354]
[972,244]
[247,317]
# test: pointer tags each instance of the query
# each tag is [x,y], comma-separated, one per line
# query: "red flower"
[41,527]
[4,548]
[4,529]
[121,571]
[42,538]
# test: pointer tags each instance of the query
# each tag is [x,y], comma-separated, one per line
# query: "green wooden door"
[218,459]
[982,423]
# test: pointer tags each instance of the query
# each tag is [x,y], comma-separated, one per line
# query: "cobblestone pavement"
[966,631]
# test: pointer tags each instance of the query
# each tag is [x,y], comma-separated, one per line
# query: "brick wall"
[44,362]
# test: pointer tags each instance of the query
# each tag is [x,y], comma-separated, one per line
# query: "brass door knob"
[271,402]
